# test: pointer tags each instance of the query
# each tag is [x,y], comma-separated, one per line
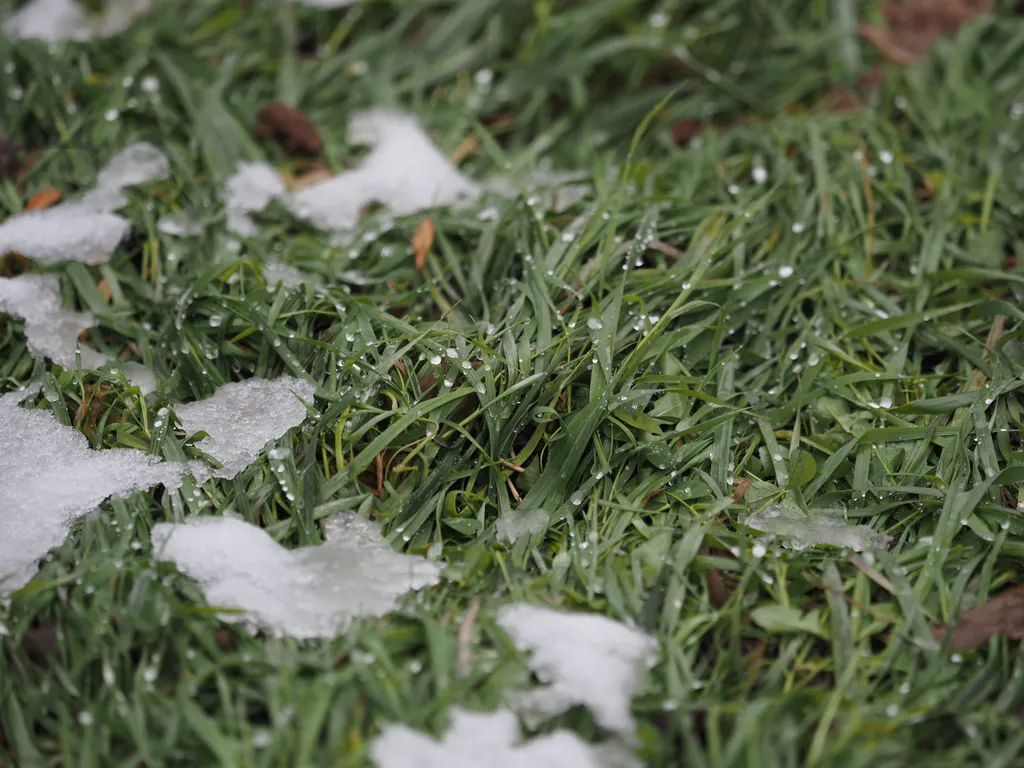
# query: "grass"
[636,384]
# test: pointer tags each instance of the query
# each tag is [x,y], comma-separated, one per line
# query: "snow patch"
[306,593]
[585,659]
[821,527]
[49,477]
[52,331]
[474,739]
[86,229]
[251,189]
[404,171]
[243,416]
[56,20]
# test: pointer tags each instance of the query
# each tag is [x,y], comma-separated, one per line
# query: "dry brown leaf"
[44,199]
[422,239]
[290,128]
[1000,615]
[913,26]
[104,289]
[466,147]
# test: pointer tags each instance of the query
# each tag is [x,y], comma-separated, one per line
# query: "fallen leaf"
[289,128]
[912,27]
[422,239]
[44,199]
[104,289]
[1000,615]
[465,148]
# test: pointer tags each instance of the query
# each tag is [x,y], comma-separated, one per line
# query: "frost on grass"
[52,331]
[49,476]
[820,527]
[249,190]
[56,20]
[584,659]
[475,739]
[86,229]
[243,416]
[304,593]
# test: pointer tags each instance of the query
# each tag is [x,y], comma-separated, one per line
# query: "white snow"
[822,526]
[249,190]
[242,417]
[52,331]
[492,739]
[56,20]
[403,171]
[305,593]
[86,229]
[584,659]
[49,477]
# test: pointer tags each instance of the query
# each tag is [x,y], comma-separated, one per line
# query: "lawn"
[755,394]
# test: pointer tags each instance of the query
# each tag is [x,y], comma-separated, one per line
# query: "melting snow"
[243,416]
[52,331]
[558,190]
[56,20]
[86,229]
[585,659]
[49,477]
[488,738]
[823,526]
[249,190]
[306,593]
[403,171]
[275,272]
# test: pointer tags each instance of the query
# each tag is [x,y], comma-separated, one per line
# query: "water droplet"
[85,718]
[594,324]
[759,174]
[785,271]
[798,227]
[885,156]
[892,710]
[111,115]
[759,550]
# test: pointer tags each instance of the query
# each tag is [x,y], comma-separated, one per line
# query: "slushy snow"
[584,659]
[86,229]
[492,739]
[49,476]
[305,593]
[242,417]
[821,527]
